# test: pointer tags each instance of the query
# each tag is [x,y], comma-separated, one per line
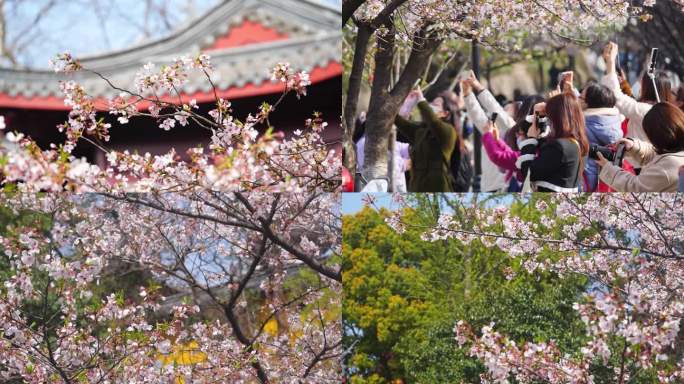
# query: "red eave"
[318,74]
[248,32]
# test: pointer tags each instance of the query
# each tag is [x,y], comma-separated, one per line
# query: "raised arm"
[475,112]
[489,104]
[504,121]
[407,128]
[627,106]
[499,152]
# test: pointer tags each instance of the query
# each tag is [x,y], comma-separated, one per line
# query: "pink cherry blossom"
[232,253]
[239,158]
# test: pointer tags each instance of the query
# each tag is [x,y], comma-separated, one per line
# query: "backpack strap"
[579,173]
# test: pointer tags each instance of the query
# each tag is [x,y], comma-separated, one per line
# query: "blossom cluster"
[239,157]
[530,362]
[82,117]
[294,81]
[507,24]
[630,247]
[65,63]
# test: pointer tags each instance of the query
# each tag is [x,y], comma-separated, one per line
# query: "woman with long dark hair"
[661,156]
[553,157]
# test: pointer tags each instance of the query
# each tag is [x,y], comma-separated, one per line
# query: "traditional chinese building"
[245,39]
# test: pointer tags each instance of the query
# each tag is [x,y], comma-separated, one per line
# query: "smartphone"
[493,118]
[654,60]
[464,74]
[563,75]
[618,68]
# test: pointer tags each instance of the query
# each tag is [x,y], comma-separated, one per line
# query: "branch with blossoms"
[629,246]
[531,362]
[239,158]
[245,306]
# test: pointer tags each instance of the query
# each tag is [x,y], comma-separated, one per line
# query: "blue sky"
[85,27]
[353,202]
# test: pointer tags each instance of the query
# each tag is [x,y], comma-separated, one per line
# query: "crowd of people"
[599,138]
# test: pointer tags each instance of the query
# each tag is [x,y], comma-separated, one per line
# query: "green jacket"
[432,142]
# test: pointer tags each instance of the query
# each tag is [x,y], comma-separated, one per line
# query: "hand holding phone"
[494,117]
[565,81]
[464,75]
[610,53]
[567,76]
[466,88]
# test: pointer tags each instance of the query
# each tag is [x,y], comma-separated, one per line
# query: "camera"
[615,156]
[541,121]
[542,124]
[494,117]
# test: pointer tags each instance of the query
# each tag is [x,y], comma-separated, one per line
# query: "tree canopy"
[403,296]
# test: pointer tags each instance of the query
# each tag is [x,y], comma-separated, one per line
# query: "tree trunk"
[348,9]
[381,110]
[384,104]
[352,99]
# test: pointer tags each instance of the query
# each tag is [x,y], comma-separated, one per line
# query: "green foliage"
[403,295]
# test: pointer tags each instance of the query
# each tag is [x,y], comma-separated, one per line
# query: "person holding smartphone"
[480,104]
[504,152]
[630,108]
[432,142]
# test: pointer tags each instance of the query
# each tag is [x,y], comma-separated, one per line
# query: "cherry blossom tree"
[394,41]
[239,158]
[631,248]
[264,264]
[639,38]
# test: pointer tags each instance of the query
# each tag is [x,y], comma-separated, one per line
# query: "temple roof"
[245,39]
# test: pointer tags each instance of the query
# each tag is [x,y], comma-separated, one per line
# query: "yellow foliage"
[271,327]
[184,354]
[294,336]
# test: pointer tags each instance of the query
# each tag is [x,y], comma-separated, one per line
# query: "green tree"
[404,295]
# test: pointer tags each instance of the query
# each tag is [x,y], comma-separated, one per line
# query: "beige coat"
[660,173]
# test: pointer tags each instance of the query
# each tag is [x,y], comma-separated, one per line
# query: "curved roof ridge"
[231,9]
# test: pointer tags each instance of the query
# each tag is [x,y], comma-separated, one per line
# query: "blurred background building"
[245,39]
